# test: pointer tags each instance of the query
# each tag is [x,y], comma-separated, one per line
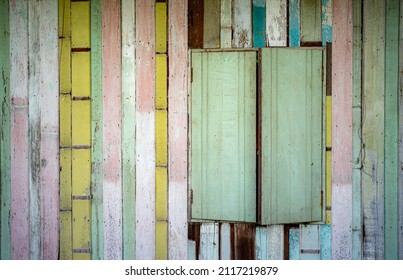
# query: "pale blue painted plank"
[259,23]
[325,242]
[294,244]
[326,21]
[261,244]
[294,23]
[225,242]
[309,242]
[209,241]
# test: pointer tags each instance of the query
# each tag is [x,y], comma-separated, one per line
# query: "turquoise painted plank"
[294,24]
[311,21]
[325,242]
[259,23]
[96,132]
[209,243]
[294,247]
[128,128]
[223,136]
[400,177]
[5,159]
[292,82]
[391,129]
[309,242]
[326,21]
[357,132]
[261,243]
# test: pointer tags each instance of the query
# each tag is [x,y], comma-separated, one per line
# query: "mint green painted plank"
[128,128]
[311,21]
[400,177]
[96,131]
[325,242]
[226,24]
[326,21]
[357,133]
[309,242]
[223,136]
[294,247]
[292,136]
[391,129]
[5,159]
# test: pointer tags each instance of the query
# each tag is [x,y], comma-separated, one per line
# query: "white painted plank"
[242,24]
[225,242]
[276,22]
[209,241]
[275,242]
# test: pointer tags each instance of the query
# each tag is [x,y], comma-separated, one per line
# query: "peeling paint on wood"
[311,21]
[259,23]
[242,24]
[326,21]
[226,24]
[209,241]
[294,247]
[309,242]
[325,242]
[276,25]
[275,236]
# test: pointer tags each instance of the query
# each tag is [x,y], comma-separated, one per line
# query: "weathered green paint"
[400,176]
[226,24]
[391,129]
[357,132]
[259,23]
[211,38]
[326,21]
[128,128]
[96,131]
[294,24]
[223,129]
[5,160]
[309,242]
[292,136]
[373,122]
[311,21]
[294,247]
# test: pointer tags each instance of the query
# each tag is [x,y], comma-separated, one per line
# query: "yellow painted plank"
[328,158]
[161,27]
[161,137]
[80,25]
[81,172]
[65,65]
[161,81]
[161,237]
[161,179]
[65,120]
[66,244]
[81,224]
[81,73]
[65,179]
[81,122]
[81,256]
[328,121]
[64,18]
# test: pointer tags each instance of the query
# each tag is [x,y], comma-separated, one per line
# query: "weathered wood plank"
[294,247]
[275,236]
[64,18]
[161,237]
[191,250]
[309,242]
[276,23]
[111,106]
[242,25]
[161,27]
[325,242]
[80,24]
[209,241]
[341,130]
[225,241]
[244,243]
[226,24]
[326,21]
[391,129]
[161,130]
[161,84]
[261,243]
[81,226]
[211,29]
[294,24]
[400,175]
[81,74]
[128,127]
[311,21]
[65,65]
[196,24]
[145,126]
[80,122]
[178,129]
[373,128]
[96,132]
[66,244]
[65,231]
[259,23]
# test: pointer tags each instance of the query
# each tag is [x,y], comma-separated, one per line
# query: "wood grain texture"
[341,130]
[325,242]
[161,27]
[294,23]
[373,183]
[128,128]
[309,242]
[276,23]
[211,29]
[294,247]
[259,23]
[226,24]
[196,24]
[400,175]
[242,24]
[261,243]
[275,237]
[244,243]
[145,126]
[209,241]
[326,21]
[311,21]
[177,130]
[112,141]
[97,227]
[80,24]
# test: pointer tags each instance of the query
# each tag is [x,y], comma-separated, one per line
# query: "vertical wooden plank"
[191,250]
[400,175]
[311,21]
[196,23]
[341,130]
[261,243]
[66,241]
[177,131]
[242,16]
[145,126]
[161,85]
[294,249]
[111,107]
[161,240]
[161,27]
[211,29]
[161,155]
[128,127]
[209,241]
[65,65]
[80,24]
[326,21]
[325,242]
[80,122]
[259,23]
[66,246]
[373,128]
[226,24]
[64,18]
[96,132]
[81,74]
[276,25]
[244,243]
[391,129]
[81,228]
[225,242]
[5,156]
[294,24]
[309,242]
[275,236]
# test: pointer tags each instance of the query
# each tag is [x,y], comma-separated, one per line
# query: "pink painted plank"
[342,130]
[145,129]
[178,129]
[19,130]
[112,91]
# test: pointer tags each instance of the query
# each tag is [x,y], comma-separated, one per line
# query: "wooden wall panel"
[242,25]
[196,23]
[341,130]
[211,29]
[226,24]
[111,107]
[400,174]
[311,21]
[209,241]
[276,24]
[309,242]
[244,243]
[259,23]
[294,247]
[326,21]
[261,243]
[294,24]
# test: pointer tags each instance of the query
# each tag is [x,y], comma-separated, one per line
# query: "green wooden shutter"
[223,136]
[292,135]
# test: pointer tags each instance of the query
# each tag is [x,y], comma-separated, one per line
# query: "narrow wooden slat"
[400,175]
[81,122]
[244,243]
[242,25]
[275,237]
[81,74]
[209,241]
[259,23]
[65,120]
[341,130]
[66,245]
[276,23]
[326,21]
[328,173]
[64,18]
[373,73]
[145,126]
[161,209]
[309,242]
[81,172]
[294,24]
[128,127]
[191,250]
[161,85]
[311,21]
[177,130]
[225,241]
[161,245]
[211,29]
[65,65]
[161,27]
[111,108]
[96,131]
[161,153]
[80,24]
[226,24]
[81,218]
[65,179]
[391,129]
[325,242]
[294,247]
[196,23]
[261,243]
